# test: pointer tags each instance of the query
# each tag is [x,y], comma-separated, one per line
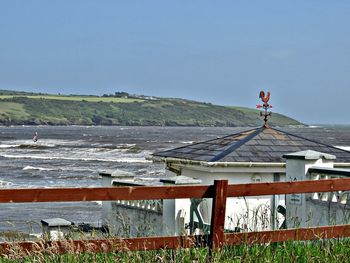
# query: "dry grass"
[335,250]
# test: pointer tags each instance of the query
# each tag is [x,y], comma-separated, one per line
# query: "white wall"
[250,213]
[301,211]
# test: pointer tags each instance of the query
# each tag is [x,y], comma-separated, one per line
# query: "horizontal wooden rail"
[313,233]
[22,195]
[312,186]
[104,245]
[174,242]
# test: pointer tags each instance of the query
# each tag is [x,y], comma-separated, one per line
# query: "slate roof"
[264,144]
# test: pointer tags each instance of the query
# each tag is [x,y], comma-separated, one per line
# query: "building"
[251,156]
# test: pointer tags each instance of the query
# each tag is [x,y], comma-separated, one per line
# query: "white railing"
[337,197]
[150,205]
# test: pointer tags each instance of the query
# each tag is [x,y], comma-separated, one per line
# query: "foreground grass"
[314,251]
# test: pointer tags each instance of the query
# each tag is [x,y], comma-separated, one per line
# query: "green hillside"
[17,108]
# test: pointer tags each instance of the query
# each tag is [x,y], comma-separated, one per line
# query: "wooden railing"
[220,191]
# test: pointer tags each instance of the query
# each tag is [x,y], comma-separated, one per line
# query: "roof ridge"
[310,140]
[234,146]
[256,128]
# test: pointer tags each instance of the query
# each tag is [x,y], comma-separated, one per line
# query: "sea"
[73,156]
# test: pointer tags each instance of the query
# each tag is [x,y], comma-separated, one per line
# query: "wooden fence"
[217,238]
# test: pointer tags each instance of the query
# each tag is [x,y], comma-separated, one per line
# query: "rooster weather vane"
[265,106]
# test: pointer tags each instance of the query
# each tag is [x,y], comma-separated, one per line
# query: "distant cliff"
[17,108]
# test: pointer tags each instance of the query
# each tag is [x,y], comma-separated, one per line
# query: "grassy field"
[15,110]
[75,98]
[23,108]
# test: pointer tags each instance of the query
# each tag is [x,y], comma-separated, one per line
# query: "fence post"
[216,237]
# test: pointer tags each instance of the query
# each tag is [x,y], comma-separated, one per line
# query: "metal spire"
[265,106]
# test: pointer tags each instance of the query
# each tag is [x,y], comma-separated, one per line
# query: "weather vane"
[265,106]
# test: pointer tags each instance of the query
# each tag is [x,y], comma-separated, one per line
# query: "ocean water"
[72,156]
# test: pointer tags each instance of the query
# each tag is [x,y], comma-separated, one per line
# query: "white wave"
[97,147]
[97,202]
[37,168]
[117,160]
[41,143]
[65,168]
[187,142]
[125,145]
[6,146]
[346,148]
[75,169]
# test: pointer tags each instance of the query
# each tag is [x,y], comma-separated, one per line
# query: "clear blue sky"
[223,52]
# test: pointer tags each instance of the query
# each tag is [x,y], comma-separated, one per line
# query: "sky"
[222,52]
